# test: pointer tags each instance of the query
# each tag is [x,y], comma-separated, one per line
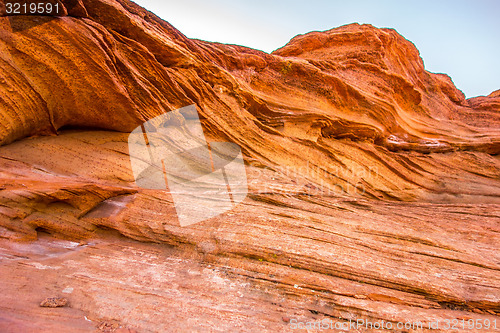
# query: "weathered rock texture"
[374,184]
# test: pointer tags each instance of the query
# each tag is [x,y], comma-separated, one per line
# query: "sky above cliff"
[459,38]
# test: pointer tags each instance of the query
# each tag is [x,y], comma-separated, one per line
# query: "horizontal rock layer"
[340,99]
[374,184]
[288,251]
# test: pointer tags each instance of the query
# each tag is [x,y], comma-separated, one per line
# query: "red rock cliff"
[374,184]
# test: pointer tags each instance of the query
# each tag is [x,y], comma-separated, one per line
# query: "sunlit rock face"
[341,99]
[373,185]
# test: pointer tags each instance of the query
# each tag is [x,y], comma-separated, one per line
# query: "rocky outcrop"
[374,184]
[349,96]
[290,251]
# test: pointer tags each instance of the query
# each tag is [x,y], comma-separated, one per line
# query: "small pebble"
[54,302]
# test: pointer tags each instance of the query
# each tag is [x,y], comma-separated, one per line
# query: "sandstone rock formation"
[374,184]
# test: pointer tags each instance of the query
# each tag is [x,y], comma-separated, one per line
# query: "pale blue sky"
[460,38]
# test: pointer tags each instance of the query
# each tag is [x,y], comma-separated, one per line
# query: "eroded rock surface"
[345,96]
[288,251]
[374,185]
